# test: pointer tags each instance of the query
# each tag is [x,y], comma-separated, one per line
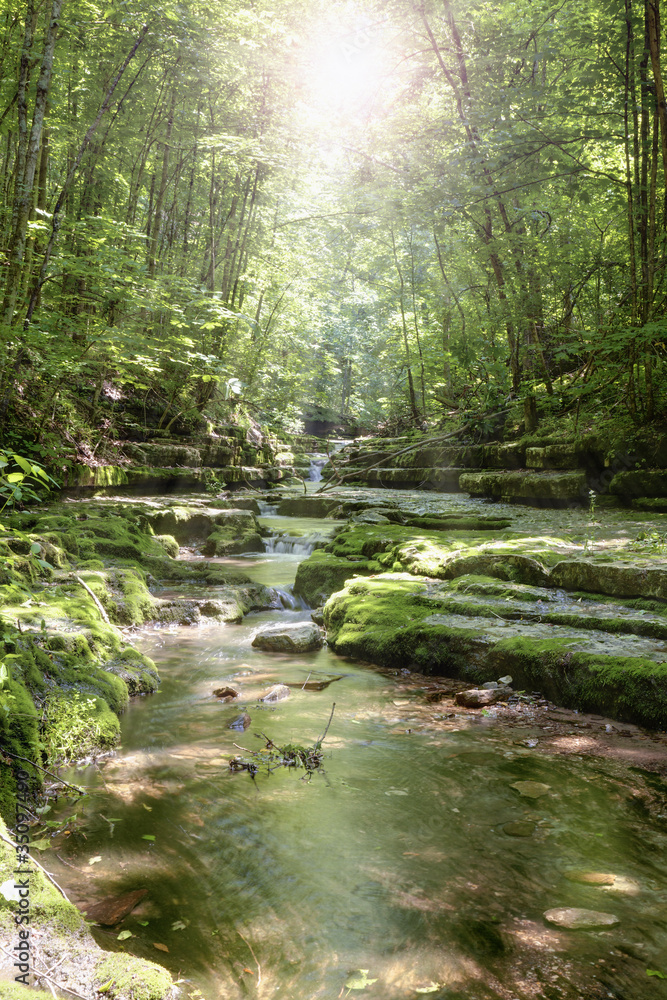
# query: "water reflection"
[413,856]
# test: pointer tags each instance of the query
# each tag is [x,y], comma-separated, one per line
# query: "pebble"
[591,878]
[277,693]
[574,918]
[531,789]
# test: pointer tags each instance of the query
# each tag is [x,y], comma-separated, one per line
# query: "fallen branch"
[437,439]
[249,947]
[94,597]
[34,861]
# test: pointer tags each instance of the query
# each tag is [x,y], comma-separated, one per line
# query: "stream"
[410,865]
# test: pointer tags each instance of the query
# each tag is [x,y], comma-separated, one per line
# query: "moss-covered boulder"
[323,573]
[235,531]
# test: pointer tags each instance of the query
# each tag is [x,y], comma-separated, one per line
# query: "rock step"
[552,487]
[388,620]
[171,479]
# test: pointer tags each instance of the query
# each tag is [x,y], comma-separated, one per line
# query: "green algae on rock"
[68,666]
[388,620]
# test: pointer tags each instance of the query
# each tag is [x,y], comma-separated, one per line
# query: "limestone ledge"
[575,657]
[550,487]
[171,479]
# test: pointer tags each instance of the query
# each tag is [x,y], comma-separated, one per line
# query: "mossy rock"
[322,574]
[573,659]
[235,531]
[123,977]
[615,579]
[640,483]
[169,544]
[627,688]
[382,621]
[549,488]
[307,506]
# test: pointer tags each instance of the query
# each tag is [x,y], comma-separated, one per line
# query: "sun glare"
[345,72]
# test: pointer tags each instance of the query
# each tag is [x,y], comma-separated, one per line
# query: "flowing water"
[412,855]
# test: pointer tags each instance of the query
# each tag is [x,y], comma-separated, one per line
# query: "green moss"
[631,689]
[322,574]
[127,978]
[76,726]
[235,531]
[383,621]
[137,671]
[16,991]
[169,544]
[47,906]
[19,737]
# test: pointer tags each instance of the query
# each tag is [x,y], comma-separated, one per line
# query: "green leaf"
[41,845]
[124,935]
[359,980]
[23,463]
[655,972]
[148,836]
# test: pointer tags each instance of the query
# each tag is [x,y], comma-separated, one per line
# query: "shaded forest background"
[389,212]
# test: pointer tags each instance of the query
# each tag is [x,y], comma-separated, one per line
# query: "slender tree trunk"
[25,176]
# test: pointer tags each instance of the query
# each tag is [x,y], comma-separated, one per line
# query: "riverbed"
[416,861]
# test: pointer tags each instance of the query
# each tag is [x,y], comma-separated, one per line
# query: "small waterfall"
[318,460]
[317,463]
[267,509]
[297,545]
[289,600]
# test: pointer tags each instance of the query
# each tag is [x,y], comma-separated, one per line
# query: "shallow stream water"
[410,865]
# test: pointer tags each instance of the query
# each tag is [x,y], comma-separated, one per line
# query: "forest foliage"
[389,210]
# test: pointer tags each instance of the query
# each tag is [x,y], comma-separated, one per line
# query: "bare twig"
[75,788]
[249,947]
[34,861]
[44,975]
[321,739]
[95,599]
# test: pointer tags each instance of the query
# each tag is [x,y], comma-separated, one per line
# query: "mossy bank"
[73,579]
[585,626]
[59,939]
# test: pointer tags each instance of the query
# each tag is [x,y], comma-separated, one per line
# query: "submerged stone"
[276,693]
[112,909]
[531,789]
[591,878]
[574,918]
[519,828]
[479,697]
[242,721]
